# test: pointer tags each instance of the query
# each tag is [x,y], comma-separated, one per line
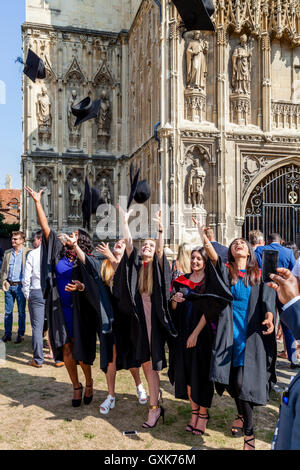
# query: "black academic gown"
[190,366]
[116,327]
[125,289]
[260,352]
[86,317]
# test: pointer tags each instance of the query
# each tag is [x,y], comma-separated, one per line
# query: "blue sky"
[11,18]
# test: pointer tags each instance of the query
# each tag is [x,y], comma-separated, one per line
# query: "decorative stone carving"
[285,115]
[196,182]
[44,119]
[104,122]
[74,199]
[74,132]
[195,105]
[241,67]
[196,63]
[105,193]
[240,99]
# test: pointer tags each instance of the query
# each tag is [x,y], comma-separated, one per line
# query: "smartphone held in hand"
[269,264]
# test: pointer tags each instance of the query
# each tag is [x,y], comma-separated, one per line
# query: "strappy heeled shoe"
[247,442]
[199,432]
[189,427]
[237,431]
[108,404]
[88,400]
[145,425]
[77,402]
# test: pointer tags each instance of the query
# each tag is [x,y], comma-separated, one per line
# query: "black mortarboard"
[34,67]
[208,302]
[196,14]
[140,190]
[85,110]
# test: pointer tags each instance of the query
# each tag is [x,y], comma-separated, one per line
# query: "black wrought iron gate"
[274,205]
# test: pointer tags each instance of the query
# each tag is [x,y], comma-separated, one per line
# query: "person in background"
[287,433]
[292,246]
[11,277]
[36,303]
[183,261]
[256,239]
[221,250]
[286,260]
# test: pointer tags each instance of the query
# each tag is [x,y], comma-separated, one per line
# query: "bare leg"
[87,370]
[71,366]
[135,372]
[195,409]
[111,374]
[152,378]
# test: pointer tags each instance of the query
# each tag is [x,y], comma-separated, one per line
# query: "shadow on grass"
[54,396]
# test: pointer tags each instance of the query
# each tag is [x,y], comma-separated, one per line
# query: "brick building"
[10,205]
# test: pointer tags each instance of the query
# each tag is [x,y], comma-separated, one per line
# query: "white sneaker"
[141,394]
[108,404]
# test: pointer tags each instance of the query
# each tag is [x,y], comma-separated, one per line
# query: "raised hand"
[124,215]
[158,220]
[104,249]
[285,284]
[35,196]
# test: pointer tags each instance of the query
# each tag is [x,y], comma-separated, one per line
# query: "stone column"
[266,72]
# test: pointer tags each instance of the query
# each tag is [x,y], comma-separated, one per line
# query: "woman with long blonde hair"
[143,289]
[117,345]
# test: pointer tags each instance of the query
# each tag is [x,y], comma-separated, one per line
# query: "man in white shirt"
[36,304]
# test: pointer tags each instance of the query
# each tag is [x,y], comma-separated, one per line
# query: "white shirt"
[296,269]
[32,272]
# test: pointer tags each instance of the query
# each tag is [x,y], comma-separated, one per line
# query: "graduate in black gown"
[190,352]
[142,287]
[244,350]
[72,302]
[116,350]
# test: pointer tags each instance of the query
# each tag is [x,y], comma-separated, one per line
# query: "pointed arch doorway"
[274,205]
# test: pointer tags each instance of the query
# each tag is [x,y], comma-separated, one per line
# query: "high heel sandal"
[247,442]
[239,430]
[191,429]
[160,398]
[199,432]
[88,400]
[77,402]
[162,413]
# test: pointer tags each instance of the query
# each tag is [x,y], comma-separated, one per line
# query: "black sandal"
[77,402]
[191,429]
[201,416]
[239,431]
[88,400]
[247,441]
[162,413]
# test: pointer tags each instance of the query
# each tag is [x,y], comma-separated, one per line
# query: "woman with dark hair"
[190,352]
[244,351]
[142,287]
[72,307]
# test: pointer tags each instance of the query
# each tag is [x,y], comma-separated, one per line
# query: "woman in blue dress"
[244,350]
[72,307]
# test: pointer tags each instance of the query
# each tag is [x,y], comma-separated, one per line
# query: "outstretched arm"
[211,253]
[43,221]
[125,228]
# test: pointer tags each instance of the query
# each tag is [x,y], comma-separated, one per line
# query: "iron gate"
[274,205]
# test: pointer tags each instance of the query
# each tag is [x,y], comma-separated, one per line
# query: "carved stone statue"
[105,194]
[196,182]
[241,67]
[46,196]
[44,117]
[74,132]
[104,121]
[75,198]
[196,62]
